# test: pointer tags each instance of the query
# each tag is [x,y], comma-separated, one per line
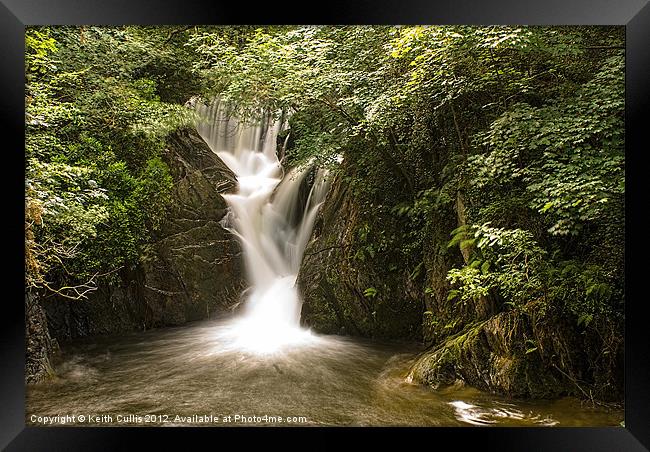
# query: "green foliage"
[38,46]
[510,265]
[569,154]
[548,171]
[461,235]
[507,261]
[96,187]
[583,290]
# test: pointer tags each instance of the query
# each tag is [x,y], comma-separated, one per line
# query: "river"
[196,370]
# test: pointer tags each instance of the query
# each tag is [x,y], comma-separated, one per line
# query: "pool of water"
[195,375]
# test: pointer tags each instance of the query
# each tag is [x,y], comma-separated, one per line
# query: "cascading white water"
[272,221]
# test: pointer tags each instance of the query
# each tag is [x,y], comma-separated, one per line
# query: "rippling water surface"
[200,369]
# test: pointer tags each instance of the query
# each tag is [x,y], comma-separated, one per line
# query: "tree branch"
[79,291]
[388,158]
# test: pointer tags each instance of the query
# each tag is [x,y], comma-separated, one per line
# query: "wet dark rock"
[332,282]
[192,270]
[530,351]
[40,347]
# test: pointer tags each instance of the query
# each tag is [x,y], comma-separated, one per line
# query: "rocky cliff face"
[333,280]
[192,271]
[40,347]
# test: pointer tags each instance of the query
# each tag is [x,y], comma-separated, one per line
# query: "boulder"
[191,271]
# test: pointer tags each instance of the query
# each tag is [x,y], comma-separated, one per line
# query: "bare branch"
[80,291]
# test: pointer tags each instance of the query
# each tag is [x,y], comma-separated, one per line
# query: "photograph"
[325,225]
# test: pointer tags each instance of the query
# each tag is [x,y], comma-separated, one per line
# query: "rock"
[194,269]
[517,353]
[40,347]
[191,271]
[332,282]
[109,309]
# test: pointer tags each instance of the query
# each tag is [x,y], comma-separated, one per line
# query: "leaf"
[452,294]
[370,292]
[459,229]
[416,271]
[467,243]
[547,206]
[585,319]
[457,239]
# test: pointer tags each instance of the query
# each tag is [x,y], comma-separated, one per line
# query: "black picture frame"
[634,14]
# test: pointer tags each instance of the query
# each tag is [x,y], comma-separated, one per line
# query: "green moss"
[488,355]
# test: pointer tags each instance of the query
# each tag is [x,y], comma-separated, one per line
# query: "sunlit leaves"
[38,47]
[569,154]
[505,262]
[96,188]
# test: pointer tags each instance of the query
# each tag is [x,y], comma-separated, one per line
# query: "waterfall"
[270,218]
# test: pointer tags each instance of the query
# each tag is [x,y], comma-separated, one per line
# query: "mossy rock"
[491,355]
[332,282]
